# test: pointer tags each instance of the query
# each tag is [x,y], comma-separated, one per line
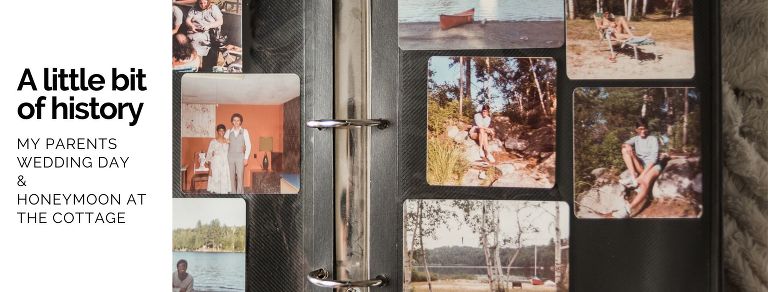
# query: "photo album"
[384,146]
[445,145]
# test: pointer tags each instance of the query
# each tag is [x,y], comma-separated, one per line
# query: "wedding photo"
[651,39]
[480,24]
[637,153]
[491,122]
[240,134]
[207,36]
[208,245]
[494,246]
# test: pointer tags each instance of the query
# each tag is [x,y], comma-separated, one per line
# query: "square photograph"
[650,39]
[207,35]
[471,245]
[240,134]
[209,245]
[637,153]
[491,122]
[480,24]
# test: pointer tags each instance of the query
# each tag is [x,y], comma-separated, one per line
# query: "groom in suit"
[239,150]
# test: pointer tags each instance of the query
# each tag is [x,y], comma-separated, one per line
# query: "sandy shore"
[589,60]
[587,56]
[471,286]
[492,35]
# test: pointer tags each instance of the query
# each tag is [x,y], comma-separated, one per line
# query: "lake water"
[501,10]
[214,272]
[479,273]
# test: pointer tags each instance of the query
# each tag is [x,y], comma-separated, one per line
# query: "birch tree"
[685,119]
[483,219]
[461,86]
[538,87]
[423,218]
[674,9]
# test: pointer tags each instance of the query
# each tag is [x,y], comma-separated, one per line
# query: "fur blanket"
[745,141]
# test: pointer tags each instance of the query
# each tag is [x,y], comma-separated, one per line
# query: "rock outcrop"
[518,161]
[676,192]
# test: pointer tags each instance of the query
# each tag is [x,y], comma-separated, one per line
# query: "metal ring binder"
[329,123]
[318,278]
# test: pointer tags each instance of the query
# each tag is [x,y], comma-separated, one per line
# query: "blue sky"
[443,74]
[186,212]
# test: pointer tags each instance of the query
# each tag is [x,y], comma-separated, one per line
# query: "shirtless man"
[618,26]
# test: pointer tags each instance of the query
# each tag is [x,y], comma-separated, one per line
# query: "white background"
[97,35]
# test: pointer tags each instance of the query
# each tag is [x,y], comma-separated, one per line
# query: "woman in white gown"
[219,182]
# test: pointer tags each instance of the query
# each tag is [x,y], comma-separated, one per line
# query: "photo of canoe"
[480,24]
[452,20]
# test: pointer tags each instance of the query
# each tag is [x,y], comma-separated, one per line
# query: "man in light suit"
[239,150]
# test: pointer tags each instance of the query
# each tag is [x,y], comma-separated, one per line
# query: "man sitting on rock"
[482,130]
[641,155]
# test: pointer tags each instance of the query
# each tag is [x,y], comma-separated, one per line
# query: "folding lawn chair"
[634,42]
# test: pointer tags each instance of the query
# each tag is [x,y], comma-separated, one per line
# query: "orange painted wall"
[259,120]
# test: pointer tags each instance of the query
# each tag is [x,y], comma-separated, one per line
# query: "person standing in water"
[182,281]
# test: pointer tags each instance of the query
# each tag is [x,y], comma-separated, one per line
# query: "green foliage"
[473,256]
[587,8]
[212,236]
[521,88]
[445,162]
[418,276]
[438,117]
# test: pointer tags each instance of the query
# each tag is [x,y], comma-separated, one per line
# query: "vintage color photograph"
[491,122]
[632,39]
[207,36]
[240,134]
[208,245]
[480,24]
[637,153]
[471,245]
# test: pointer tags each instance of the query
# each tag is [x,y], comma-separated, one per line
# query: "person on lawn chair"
[617,27]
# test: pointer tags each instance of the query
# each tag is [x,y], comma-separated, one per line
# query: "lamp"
[265,145]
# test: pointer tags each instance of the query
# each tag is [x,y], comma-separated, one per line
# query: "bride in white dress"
[219,182]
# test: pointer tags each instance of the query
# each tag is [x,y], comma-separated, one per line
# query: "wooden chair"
[200,171]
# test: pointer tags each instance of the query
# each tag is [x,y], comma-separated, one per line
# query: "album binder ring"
[328,123]
[319,278]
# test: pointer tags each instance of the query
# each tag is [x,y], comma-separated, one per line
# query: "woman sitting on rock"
[482,130]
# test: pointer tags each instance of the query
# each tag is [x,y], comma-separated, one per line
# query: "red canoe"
[536,281]
[452,20]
